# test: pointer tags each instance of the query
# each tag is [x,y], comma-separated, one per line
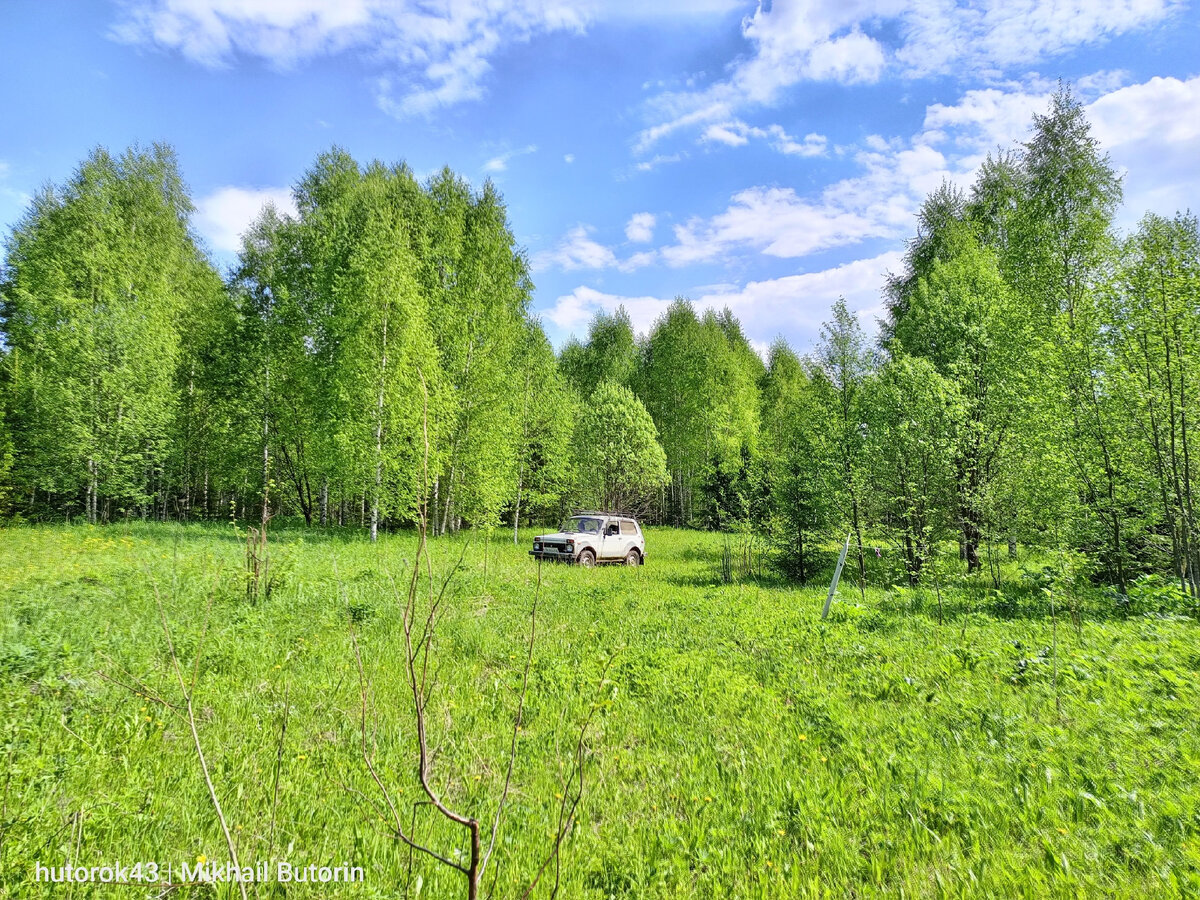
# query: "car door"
[610,547]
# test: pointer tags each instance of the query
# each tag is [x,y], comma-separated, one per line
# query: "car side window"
[612,528]
[628,527]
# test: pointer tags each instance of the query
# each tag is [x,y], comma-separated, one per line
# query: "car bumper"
[552,556]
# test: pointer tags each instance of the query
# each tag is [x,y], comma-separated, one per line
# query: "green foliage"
[610,354]
[915,415]
[98,280]
[873,755]
[618,461]
[698,379]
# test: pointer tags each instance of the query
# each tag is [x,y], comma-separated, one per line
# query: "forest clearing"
[1026,740]
[267,594]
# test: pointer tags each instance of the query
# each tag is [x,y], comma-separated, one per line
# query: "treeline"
[373,359]
[374,350]
[1034,382]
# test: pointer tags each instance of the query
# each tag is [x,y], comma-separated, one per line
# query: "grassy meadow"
[738,746]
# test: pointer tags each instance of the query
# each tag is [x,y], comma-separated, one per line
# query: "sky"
[764,157]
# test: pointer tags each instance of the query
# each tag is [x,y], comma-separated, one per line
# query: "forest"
[375,359]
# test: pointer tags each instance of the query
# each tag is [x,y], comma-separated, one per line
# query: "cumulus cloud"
[1151,132]
[794,305]
[225,214]
[640,227]
[579,250]
[777,221]
[792,41]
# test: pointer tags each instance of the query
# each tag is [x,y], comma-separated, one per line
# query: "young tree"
[913,416]
[619,462]
[792,476]
[845,363]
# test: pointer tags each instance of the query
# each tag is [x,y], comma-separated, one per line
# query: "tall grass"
[740,746]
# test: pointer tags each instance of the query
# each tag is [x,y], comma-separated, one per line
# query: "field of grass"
[739,746]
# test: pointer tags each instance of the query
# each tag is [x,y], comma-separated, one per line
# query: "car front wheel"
[587,559]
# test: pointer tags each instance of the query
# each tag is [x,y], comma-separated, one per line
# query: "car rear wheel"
[587,559]
[633,558]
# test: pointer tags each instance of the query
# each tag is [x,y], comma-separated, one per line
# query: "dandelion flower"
[782,831]
[803,737]
[202,859]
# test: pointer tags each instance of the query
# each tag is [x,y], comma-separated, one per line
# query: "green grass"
[742,748]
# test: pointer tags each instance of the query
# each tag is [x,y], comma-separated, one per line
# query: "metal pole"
[837,574]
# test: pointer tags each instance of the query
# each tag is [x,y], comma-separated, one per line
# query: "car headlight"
[537,545]
[570,546]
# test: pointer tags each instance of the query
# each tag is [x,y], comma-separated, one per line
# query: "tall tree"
[962,317]
[96,278]
[547,413]
[1062,251]
[1155,337]
[699,383]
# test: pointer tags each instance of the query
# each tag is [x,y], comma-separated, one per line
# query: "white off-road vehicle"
[594,537]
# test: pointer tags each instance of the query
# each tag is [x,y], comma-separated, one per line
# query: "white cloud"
[576,250]
[778,222]
[792,41]
[573,311]
[736,133]
[500,163]
[987,118]
[225,214]
[794,305]
[637,261]
[569,158]
[640,227]
[579,250]
[439,53]
[431,55]
[1152,132]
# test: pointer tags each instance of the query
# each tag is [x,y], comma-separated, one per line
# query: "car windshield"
[583,524]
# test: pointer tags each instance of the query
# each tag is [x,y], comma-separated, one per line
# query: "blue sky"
[765,157]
